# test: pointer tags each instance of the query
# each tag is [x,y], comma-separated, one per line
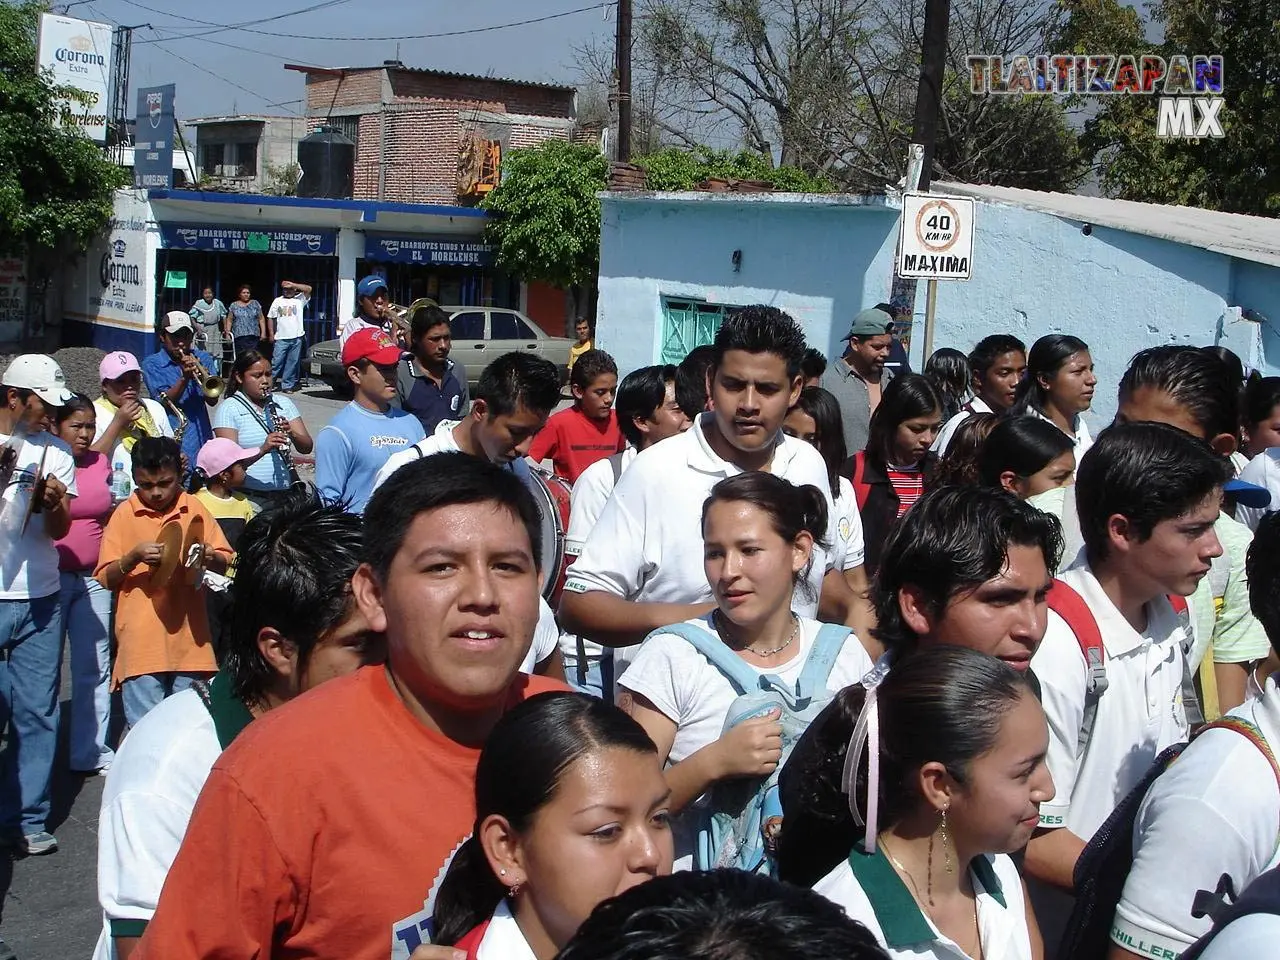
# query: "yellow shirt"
[158,629]
[578,349]
[232,513]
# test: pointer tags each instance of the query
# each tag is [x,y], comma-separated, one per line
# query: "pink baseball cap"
[116,364]
[220,453]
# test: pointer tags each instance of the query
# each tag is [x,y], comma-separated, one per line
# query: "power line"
[220,27]
[419,36]
[218,76]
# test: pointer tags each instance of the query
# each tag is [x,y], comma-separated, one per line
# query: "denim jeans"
[143,693]
[30,674]
[250,342]
[86,620]
[286,363]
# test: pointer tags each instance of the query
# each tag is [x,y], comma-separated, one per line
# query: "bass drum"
[552,496]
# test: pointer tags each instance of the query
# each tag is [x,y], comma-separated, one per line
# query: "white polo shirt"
[591,491]
[29,562]
[1263,470]
[845,536]
[871,892]
[647,545]
[1216,810]
[1139,714]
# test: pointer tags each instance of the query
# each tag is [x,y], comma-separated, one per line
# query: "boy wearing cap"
[857,379]
[124,415]
[161,629]
[368,431]
[30,614]
[371,312]
[172,371]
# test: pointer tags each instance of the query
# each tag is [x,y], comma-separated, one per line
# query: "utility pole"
[623,54]
[933,64]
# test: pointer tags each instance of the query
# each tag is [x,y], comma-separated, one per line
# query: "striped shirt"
[908,484]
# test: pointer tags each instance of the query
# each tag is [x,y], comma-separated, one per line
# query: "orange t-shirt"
[574,442]
[323,831]
[158,629]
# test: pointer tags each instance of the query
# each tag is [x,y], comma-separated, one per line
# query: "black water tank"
[328,161]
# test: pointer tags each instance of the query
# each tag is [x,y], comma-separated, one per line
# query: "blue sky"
[253,61]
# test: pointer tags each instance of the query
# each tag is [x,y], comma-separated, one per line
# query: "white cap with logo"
[176,320]
[39,374]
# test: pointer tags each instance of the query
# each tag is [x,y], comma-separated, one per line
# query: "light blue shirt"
[353,447]
[237,412]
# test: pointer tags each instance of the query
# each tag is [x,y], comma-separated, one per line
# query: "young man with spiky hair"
[641,566]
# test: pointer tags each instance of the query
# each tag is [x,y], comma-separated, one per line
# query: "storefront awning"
[227,239]
[442,251]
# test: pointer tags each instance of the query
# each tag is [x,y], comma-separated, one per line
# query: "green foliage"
[546,214]
[281,180]
[56,187]
[1239,173]
[677,169]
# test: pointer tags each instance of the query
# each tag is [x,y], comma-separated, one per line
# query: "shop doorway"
[461,286]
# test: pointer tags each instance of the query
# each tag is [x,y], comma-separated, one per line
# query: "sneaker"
[38,844]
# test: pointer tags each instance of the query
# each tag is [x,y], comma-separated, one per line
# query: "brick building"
[429,136]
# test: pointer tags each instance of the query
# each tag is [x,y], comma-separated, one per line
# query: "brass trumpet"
[212,387]
[402,317]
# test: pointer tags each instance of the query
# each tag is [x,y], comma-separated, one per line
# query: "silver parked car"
[479,335]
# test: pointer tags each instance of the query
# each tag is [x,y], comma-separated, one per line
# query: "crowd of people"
[764,654]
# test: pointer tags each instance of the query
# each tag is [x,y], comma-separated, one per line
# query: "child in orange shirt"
[578,437]
[162,630]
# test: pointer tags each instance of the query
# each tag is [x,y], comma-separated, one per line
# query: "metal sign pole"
[930,304]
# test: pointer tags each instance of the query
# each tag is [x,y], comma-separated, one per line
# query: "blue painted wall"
[85,333]
[820,263]
[1033,274]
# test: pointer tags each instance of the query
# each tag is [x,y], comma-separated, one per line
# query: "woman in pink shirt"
[86,606]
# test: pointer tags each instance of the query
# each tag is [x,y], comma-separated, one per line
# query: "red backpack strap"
[1063,600]
[861,489]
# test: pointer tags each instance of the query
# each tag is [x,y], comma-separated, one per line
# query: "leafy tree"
[56,187]
[1239,173]
[675,169]
[546,216]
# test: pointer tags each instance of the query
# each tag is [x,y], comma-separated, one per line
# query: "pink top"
[78,550]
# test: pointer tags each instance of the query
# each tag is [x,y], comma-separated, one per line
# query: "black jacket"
[879,507]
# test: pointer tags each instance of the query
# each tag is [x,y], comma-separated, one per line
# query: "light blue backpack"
[739,827]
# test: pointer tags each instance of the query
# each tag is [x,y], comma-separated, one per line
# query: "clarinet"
[278,424]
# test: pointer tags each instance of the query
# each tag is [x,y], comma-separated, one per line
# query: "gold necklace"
[795,630]
[915,890]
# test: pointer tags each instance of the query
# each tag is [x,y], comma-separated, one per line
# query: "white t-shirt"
[688,690]
[158,772]
[287,313]
[646,546]
[943,439]
[586,501]
[502,939]
[1215,811]
[546,637]
[845,535]
[871,892]
[441,441]
[1263,470]
[355,325]
[28,560]
[118,453]
[1081,441]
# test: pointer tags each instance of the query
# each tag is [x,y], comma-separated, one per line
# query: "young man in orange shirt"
[162,630]
[576,438]
[326,827]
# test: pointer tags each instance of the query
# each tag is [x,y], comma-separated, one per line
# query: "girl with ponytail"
[758,532]
[905,797]
[571,810]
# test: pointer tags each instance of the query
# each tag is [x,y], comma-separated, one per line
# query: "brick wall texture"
[413,147]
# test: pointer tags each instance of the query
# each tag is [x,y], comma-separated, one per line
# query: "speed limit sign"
[936,237]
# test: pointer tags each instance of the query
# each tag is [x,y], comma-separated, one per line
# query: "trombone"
[211,386]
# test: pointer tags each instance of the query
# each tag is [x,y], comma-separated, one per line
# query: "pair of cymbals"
[175,549]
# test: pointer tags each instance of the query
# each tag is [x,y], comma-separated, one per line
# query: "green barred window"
[687,324]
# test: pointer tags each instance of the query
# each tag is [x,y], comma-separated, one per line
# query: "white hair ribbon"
[866,736]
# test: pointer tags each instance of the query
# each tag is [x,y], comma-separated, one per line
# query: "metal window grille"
[687,324]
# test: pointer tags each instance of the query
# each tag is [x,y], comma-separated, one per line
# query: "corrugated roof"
[452,74]
[1232,234]
[242,118]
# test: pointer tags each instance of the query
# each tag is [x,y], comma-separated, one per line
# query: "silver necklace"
[795,630]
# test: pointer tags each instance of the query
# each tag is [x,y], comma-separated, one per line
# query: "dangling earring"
[514,890]
[928,883]
[946,847]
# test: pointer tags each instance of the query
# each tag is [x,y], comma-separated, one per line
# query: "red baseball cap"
[372,344]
